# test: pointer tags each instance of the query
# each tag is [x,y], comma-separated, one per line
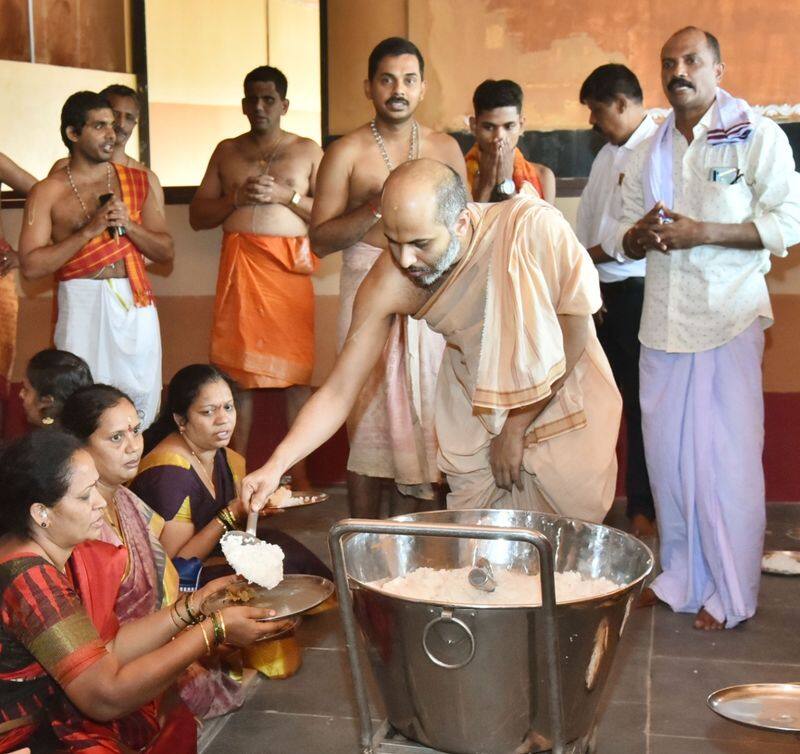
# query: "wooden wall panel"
[81,33]
[14,39]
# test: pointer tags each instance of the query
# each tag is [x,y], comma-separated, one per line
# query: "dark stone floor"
[655,702]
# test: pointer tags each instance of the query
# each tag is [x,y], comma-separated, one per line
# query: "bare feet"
[648,598]
[641,526]
[704,621]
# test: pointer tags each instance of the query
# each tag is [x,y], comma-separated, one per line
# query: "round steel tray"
[297,593]
[773,706]
[300,499]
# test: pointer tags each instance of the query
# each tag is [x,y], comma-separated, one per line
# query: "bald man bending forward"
[527,410]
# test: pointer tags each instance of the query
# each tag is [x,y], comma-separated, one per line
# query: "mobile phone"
[112,229]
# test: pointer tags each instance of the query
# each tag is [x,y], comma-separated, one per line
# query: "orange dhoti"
[263,334]
[9,307]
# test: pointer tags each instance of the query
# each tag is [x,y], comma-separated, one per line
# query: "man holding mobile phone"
[106,311]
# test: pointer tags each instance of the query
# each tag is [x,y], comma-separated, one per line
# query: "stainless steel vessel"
[478,679]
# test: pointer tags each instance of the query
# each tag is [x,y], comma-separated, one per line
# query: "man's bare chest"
[73,209]
[289,169]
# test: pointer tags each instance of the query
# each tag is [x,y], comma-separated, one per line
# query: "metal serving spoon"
[248,537]
[482,576]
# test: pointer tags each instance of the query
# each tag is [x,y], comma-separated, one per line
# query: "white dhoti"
[391,428]
[120,342]
[703,425]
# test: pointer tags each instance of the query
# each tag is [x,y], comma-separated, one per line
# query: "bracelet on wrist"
[195,617]
[172,617]
[187,621]
[219,627]
[227,524]
[375,209]
[205,637]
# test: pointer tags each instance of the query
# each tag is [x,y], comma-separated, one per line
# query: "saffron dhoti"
[263,334]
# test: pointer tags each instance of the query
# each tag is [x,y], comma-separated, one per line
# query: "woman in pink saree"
[105,419]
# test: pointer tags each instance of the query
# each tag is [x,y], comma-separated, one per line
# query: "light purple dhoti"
[703,425]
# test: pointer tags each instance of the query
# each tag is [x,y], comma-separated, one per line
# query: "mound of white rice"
[260,563]
[513,588]
[779,561]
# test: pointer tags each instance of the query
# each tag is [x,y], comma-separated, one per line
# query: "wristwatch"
[505,188]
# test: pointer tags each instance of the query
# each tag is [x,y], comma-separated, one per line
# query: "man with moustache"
[707,200]
[96,249]
[526,407]
[259,187]
[391,427]
[125,105]
[614,98]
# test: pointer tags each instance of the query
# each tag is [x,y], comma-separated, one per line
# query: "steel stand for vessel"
[386,740]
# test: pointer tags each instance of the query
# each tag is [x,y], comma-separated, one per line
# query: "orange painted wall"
[549,47]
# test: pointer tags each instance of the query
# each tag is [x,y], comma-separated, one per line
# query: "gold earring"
[47,420]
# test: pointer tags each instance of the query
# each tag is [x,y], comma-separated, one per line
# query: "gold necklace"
[205,477]
[265,163]
[265,159]
[75,189]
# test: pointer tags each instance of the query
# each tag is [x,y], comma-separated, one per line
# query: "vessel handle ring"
[447,617]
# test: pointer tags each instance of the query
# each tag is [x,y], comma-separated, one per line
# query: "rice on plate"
[259,562]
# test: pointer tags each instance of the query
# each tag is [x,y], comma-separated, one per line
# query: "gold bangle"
[189,620]
[178,612]
[227,524]
[229,517]
[195,617]
[205,637]
[172,617]
[219,634]
[222,622]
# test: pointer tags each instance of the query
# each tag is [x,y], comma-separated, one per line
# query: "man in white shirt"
[614,98]
[708,199]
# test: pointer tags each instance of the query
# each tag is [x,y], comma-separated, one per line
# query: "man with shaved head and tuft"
[527,412]
[708,199]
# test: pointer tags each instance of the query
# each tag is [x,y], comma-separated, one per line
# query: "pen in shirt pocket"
[726,176]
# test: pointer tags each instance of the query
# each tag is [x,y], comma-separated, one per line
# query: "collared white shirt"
[600,208]
[701,298]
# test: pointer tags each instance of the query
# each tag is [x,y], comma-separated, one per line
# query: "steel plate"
[773,706]
[297,593]
[300,499]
